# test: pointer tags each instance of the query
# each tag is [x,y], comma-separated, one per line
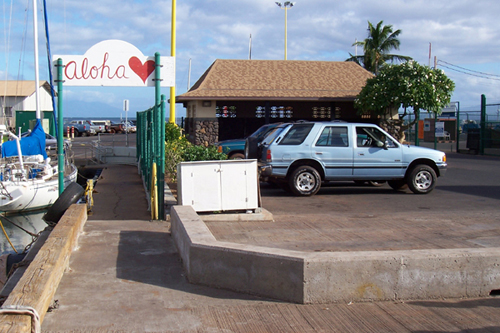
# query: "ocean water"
[12,225]
[113,119]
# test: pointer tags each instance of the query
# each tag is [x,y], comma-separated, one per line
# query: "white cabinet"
[218,185]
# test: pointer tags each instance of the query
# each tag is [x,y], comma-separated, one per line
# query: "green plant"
[178,149]
[174,151]
[173,132]
[201,153]
[410,86]
[175,145]
[381,40]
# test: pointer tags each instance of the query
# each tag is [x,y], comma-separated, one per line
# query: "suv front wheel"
[422,179]
[305,180]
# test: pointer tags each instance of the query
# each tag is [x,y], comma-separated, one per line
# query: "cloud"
[462,32]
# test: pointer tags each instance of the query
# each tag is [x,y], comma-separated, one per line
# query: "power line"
[467,71]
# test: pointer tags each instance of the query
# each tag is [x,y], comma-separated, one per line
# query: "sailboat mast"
[35,42]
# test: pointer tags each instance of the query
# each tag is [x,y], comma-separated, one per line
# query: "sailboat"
[28,177]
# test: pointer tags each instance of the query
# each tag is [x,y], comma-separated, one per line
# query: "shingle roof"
[278,80]
[20,88]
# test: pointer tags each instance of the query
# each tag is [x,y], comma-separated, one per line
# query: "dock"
[124,273]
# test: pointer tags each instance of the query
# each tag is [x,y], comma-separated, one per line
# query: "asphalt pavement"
[126,275]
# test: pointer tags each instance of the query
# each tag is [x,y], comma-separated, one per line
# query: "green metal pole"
[435,123]
[417,117]
[482,130]
[458,127]
[160,142]
[60,129]
[161,164]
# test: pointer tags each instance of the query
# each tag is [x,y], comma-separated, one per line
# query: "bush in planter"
[179,149]
[202,153]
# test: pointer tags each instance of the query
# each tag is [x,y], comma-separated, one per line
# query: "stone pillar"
[206,131]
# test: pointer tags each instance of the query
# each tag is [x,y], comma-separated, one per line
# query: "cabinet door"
[200,186]
[239,185]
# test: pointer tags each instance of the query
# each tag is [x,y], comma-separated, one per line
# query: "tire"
[422,179]
[237,156]
[305,180]
[397,184]
[76,133]
[69,196]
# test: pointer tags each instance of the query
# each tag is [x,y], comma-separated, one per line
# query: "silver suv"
[300,156]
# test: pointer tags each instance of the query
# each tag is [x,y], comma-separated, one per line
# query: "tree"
[376,47]
[409,86]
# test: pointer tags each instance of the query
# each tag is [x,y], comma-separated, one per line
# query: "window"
[225,111]
[373,137]
[333,137]
[297,134]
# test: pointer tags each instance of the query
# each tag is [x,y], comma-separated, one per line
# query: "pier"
[122,272]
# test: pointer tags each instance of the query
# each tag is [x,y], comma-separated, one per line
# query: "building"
[18,102]
[235,97]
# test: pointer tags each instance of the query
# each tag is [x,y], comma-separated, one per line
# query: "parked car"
[129,127]
[80,128]
[116,127]
[99,126]
[300,156]
[235,149]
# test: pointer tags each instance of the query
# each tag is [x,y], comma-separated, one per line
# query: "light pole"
[285,6]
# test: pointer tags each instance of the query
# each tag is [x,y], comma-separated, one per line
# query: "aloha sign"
[115,63]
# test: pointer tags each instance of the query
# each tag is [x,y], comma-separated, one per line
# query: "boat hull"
[33,194]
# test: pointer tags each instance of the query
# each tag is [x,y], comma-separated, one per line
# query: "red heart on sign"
[142,70]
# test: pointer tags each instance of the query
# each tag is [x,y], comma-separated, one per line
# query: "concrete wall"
[305,277]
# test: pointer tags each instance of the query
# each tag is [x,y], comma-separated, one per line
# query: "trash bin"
[473,138]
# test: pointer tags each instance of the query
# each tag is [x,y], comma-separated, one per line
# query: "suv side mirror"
[381,144]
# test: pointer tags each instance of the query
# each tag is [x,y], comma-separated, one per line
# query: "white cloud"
[462,32]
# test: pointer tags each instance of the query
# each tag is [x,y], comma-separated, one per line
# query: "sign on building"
[449,110]
[115,63]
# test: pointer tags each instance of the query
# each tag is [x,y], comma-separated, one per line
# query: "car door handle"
[319,153]
[361,154]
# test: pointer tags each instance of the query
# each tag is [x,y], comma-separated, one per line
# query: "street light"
[285,6]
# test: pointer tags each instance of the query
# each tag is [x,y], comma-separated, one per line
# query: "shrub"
[173,132]
[178,149]
[201,153]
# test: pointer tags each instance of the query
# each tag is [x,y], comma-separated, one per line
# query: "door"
[376,154]
[334,149]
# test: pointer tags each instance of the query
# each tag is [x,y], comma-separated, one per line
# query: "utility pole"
[286,5]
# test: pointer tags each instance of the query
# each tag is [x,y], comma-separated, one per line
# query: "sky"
[463,35]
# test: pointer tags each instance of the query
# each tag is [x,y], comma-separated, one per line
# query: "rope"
[24,310]
[5,233]
[12,222]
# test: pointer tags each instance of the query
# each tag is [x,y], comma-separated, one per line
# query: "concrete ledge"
[304,277]
[260,214]
[37,286]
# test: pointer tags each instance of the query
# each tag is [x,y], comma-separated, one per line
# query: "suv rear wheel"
[305,180]
[422,179]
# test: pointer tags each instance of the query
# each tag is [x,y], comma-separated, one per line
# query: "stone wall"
[201,131]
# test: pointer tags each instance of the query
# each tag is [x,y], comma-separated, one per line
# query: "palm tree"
[380,41]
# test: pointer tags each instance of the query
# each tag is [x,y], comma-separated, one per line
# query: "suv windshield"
[273,134]
[297,134]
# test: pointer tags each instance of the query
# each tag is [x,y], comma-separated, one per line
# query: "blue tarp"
[34,144]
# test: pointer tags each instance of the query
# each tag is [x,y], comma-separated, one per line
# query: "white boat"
[28,177]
